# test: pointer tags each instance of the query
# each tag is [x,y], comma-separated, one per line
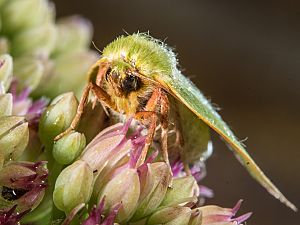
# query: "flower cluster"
[90,176]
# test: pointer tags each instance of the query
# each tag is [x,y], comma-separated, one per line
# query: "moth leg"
[76,119]
[103,68]
[164,110]
[150,120]
[102,96]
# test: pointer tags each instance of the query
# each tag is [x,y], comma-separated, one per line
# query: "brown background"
[245,57]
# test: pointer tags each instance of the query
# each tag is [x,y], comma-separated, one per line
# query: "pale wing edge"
[187,93]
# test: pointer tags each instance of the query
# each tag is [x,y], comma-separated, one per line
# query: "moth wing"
[188,94]
[195,144]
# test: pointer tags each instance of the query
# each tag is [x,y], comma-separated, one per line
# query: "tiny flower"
[123,188]
[74,34]
[38,40]
[198,171]
[10,217]
[71,67]
[155,179]
[196,217]
[4,44]
[95,215]
[184,190]
[215,215]
[6,69]
[23,184]
[171,215]
[68,148]
[24,106]
[73,186]
[19,15]
[29,72]
[57,117]
[6,104]
[14,137]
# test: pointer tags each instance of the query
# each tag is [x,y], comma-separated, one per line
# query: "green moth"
[137,76]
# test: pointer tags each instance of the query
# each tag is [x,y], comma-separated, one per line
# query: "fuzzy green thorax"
[148,55]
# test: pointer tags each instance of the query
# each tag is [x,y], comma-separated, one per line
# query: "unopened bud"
[23,14]
[171,216]
[4,45]
[57,117]
[6,103]
[71,67]
[74,34]
[6,69]
[37,40]
[68,148]
[73,186]
[14,137]
[29,72]
[184,189]
[122,188]
[155,179]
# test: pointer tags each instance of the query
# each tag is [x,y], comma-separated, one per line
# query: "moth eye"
[130,83]
[107,74]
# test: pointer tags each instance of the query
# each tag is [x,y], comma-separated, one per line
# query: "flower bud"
[73,65]
[171,216]
[6,69]
[216,215]
[23,14]
[22,184]
[29,72]
[196,217]
[74,34]
[37,40]
[57,117]
[4,45]
[68,148]
[9,216]
[155,179]
[14,137]
[73,186]
[184,189]
[6,103]
[122,188]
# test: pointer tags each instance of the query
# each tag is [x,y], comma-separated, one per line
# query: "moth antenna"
[95,46]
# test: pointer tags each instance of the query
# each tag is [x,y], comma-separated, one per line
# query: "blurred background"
[244,56]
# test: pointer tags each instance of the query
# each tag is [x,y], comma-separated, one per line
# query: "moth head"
[122,77]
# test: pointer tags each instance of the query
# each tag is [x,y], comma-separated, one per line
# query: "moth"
[137,76]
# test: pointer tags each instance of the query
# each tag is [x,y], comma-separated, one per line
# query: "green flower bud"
[184,189]
[37,40]
[74,34]
[6,69]
[122,188]
[73,186]
[72,65]
[155,179]
[4,45]
[6,103]
[29,72]
[57,117]
[23,14]
[14,137]
[196,217]
[171,216]
[68,148]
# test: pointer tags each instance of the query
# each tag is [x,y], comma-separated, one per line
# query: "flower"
[215,215]
[23,184]
[73,186]
[10,217]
